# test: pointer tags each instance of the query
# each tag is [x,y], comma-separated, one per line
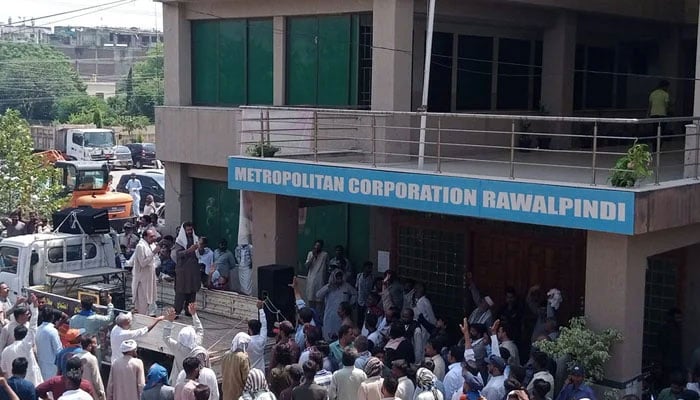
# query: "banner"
[598,209]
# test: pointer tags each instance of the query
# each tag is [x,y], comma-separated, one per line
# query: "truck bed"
[223,314]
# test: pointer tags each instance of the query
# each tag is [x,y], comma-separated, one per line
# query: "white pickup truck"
[59,265]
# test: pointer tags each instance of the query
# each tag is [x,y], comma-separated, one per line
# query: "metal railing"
[561,149]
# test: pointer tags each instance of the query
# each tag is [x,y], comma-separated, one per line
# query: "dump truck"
[76,143]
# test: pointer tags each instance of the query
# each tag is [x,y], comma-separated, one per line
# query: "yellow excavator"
[87,183]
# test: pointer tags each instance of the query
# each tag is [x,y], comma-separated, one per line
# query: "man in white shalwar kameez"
[23,347]
[143,284]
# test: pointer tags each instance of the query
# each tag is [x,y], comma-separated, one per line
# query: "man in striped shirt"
[323,377]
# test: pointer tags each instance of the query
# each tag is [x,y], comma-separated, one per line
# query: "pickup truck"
[58,266]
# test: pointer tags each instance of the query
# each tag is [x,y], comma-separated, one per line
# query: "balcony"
[556,151]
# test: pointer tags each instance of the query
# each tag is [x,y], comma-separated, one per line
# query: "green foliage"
[147,87]
[97,118]
[33,76]
[25,183]
[585,347]
[132,123]
[267,149]
[633,166]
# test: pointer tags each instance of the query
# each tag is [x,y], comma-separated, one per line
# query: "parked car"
[152,182]
[143,154]
[122,158]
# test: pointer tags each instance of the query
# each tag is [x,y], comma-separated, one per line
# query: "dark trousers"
[182,300]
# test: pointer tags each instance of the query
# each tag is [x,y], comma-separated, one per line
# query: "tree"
[129,89]
[97,118]
[33,77]
[132,123]
[25,182]
[583,347]
[148,86]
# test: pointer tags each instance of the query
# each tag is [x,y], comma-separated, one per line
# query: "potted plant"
[582,346]
[267,150]
[632,167]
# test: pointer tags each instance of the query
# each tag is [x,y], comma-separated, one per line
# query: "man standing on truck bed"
[143,284]
[188,278]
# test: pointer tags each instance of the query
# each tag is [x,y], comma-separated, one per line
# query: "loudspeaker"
[92,220]
[273,281]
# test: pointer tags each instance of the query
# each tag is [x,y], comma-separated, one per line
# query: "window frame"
[90,249]
[495,33]
[3,268]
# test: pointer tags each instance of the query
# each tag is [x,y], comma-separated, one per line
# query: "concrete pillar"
[178,196]
[558,55]
[392,55]
[696,103]
[177,55]
[279,62]
[275,221]
[615,279]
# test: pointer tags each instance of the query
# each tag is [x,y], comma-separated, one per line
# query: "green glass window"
[232,62]
[215,210]
[326,64]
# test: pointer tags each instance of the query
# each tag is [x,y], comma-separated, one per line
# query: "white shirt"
[256,348]
[439,369]
[206,377]
[345,383]
[133,186]
[494,389]
[77,394]
[454,380]
[119,335]
[207,258]
[149,209]
[424,307]
[405,389]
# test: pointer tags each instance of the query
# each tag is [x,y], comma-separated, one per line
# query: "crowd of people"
[357,336]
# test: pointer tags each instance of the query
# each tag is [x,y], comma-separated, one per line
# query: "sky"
[143,14]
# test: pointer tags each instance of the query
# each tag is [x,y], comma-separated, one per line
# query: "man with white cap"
[126,376]
[235,367]
[122,331]
[189,340]
[482,313]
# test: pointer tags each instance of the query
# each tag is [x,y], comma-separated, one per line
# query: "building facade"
[497,185]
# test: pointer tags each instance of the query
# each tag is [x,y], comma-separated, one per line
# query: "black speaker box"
[273,281]
[93,220]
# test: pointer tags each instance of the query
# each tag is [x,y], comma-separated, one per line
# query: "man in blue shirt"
[48,343]
[575,388]
[23,388]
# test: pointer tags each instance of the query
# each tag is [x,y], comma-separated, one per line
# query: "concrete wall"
[664,10]
[615,283]
[197,135]
[267,8]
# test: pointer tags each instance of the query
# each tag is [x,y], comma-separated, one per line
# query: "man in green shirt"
[659,107]
[660,101]
[677,385]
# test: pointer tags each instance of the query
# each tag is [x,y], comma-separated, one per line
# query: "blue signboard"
[606,210]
